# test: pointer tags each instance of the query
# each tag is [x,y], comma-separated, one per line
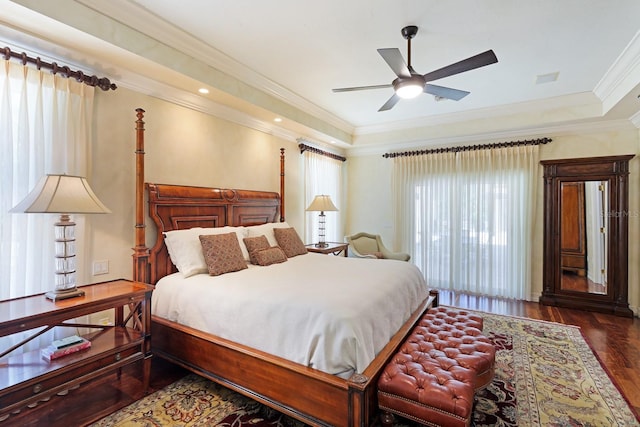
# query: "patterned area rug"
[546,375]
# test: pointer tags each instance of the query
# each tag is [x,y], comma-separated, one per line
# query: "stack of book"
[65,346]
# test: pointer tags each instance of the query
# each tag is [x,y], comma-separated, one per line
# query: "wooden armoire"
[573,238]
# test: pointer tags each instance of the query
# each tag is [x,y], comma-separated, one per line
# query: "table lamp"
[321,203]
[63,194]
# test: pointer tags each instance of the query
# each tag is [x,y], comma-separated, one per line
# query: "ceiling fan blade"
[445,92]
[477,61]
[393,57]
[351,89]
[390,103]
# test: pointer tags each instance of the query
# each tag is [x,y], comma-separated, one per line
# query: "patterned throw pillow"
[272,255]
[289,241]
[254,244]
[222,253]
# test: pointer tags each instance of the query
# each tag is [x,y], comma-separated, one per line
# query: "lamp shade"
[66,194]
[322,203]
[63,194]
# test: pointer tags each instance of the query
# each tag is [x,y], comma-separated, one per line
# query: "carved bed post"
[282,185]
[141,252]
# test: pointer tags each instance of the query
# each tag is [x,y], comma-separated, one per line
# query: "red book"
[51,353]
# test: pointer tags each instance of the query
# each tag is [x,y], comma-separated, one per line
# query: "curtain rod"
[538,141]
[304,147]
[101,82]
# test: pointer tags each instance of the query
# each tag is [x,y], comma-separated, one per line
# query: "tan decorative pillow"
[272,255]
[289,241]
[378,255]
[222,253]
[254,244]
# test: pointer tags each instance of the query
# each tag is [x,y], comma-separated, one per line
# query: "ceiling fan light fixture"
[410,84]
[409,88]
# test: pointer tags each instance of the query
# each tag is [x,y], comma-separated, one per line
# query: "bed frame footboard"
[306,394]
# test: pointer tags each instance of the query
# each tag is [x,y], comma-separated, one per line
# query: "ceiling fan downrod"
[408,33]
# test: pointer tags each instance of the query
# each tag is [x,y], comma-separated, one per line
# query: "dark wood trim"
[101,82]
[140,251]
[282,185]
[458,149]
[175,207]
[615,171]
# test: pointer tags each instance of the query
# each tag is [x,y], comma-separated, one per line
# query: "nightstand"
[334,248]
[26,378]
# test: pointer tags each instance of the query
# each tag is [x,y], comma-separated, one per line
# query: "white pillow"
[185,249]
[266,230]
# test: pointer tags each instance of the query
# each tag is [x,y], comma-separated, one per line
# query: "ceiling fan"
[410,84]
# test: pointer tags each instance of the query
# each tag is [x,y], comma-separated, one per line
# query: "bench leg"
[386,419]
[435,294]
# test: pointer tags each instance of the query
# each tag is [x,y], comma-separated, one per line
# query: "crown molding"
[123,11]
[621,77]
[567,101]
[149,24]
[170,94]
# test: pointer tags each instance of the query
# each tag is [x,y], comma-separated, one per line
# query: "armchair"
[365,245]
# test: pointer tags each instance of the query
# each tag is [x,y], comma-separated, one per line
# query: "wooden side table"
[334,248]
[26,378]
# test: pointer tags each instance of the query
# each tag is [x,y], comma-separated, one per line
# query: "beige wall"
[182,146]
[370,201]
[188,147]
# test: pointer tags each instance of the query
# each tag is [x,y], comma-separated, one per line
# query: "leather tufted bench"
[433,377]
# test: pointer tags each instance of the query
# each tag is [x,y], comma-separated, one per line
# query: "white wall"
[182,146]
[370,200]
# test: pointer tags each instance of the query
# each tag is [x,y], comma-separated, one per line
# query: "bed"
[308,388]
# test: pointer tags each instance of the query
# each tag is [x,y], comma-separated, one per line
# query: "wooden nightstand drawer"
[67,377]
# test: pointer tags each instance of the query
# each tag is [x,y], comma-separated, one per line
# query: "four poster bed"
[262,362]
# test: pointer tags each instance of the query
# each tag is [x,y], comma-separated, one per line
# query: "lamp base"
[64,294]
[321,245]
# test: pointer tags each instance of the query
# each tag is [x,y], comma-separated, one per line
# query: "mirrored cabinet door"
[586,234]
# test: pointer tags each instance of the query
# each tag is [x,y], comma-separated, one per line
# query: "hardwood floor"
[615,340]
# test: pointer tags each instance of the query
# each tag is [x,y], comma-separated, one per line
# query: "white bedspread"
[330,313]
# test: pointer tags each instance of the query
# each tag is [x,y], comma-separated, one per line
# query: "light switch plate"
[100,267]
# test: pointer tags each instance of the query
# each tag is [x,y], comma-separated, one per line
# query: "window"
[45,129]
[467,218]
[323,175]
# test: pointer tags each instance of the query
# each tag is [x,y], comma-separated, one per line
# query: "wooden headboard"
[176,207]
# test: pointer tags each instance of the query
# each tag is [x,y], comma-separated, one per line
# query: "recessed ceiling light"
[277,119]
[547,78]
[203,90]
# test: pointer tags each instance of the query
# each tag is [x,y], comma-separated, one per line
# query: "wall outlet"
[100,267]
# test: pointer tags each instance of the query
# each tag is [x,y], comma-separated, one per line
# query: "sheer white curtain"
[45,129]
[467,218]
[323,175]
